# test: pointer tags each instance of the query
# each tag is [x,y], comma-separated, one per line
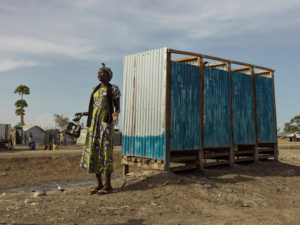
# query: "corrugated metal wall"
[185,103]
[217,131]
[144,92]
[265,109]
[242,108]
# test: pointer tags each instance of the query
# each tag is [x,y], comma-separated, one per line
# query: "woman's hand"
[115,117]
[79,115]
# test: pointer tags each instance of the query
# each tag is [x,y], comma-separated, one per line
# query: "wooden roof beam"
[241,68]
[185,59]
[218,59]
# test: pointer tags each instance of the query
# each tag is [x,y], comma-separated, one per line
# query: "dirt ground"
[264,193]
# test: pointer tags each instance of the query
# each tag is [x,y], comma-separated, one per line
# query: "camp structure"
[37,134]
[51,133]
[5,134]
[184,113]
[288,137]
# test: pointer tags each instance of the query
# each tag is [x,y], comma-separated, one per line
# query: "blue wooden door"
[242,108]
[265,109]
[185,103]
[217,130]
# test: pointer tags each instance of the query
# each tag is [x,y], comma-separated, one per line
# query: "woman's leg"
[99,181]
[99,186]
[107,185]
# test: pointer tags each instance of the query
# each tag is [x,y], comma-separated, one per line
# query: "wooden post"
[125,169]
[276,153]
[168,111]
[230,150]
[200,154]
[255,150]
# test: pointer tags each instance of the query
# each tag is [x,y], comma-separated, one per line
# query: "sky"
[56,47]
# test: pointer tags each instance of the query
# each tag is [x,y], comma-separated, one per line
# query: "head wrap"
[108,70]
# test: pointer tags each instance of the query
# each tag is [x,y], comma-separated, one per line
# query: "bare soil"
[264,193]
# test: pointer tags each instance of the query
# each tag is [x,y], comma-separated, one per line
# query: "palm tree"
[21,104]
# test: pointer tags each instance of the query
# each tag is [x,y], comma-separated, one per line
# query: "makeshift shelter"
[37,134]
[289,137]
[182,111]
[5,133]
[69,140]
[49,134]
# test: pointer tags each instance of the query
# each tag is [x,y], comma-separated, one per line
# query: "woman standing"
[97,156]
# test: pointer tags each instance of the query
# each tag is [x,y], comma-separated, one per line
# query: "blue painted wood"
[185,107]
[217,129]
[265,109]
[242,108]
[148,146]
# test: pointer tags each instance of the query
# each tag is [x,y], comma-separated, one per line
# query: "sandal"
[104,192]
[95,191]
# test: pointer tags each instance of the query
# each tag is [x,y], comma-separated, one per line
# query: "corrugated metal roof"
[25,128]
[283,134]
[292,135]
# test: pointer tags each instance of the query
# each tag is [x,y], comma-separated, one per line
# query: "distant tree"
[61,120]
[293,125]
[278,129]
[21,104]
[18,125]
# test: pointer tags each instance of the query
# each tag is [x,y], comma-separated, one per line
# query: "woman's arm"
[81,115]
[115,115]
[117,105]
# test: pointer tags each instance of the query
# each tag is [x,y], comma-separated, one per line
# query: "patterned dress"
[97,156]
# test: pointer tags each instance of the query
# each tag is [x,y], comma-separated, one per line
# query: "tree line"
[293,126]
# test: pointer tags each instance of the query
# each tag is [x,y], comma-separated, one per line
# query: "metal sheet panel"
[185,103]
[216,108]
[265,74]
[144,87]
[219,67]
[5,132]
[247,71]
[265,109]
[191,62]
[242,108]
